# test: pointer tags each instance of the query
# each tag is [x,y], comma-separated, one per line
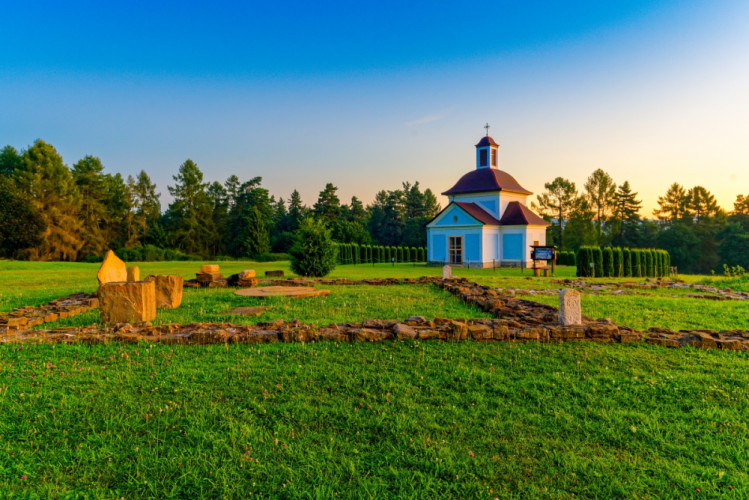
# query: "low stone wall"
[31,316]
[514,320]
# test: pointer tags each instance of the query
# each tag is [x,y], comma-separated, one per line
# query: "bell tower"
[487,152]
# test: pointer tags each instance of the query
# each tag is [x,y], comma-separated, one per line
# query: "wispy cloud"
[427,119]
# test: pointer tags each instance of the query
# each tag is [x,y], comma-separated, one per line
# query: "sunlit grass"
[431,420]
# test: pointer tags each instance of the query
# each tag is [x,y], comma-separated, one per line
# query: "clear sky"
[370,94]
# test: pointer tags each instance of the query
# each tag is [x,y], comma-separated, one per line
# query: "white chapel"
[486,222]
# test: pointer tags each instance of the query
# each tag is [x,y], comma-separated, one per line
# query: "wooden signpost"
[546,254]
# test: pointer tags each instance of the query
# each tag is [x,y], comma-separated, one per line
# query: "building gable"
[454,215]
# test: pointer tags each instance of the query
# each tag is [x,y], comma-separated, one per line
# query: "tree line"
[699,235]
[54,212]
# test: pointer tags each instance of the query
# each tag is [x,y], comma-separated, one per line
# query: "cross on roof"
[487,129]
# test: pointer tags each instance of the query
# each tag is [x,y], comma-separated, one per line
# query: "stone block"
[127,302]
[209,268]
[560,332]
[500,332]
[168,290]
[208,276]
[112,270]
[369,335]
[17,323]
[601,330]
[274,273]
[447,272]
[569,307]
[133,273]
[403,331]
[480,332]
[246,274]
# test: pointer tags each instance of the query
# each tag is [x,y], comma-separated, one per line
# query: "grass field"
[33,283]
[432,420]
[398,419]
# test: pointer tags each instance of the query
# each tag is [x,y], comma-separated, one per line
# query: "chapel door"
[456,249]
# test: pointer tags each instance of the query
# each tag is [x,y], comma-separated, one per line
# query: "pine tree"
[701,204]
[255,238]
[313,252]
[600,190]
[88,177]
[741,205]
[10,161]
[297,211]
[626,216]
[120,228]
[220,216]
[672,205]
[328,206]
[21,224]
[193,229]
[146,205]
[50,186]
[559,200]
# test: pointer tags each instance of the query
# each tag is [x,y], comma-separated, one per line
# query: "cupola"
[487,152]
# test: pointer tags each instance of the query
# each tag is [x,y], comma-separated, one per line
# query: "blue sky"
[368,95]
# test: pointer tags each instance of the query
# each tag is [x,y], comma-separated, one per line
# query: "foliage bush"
[636,263]
[313,252]
[608,262]
[627,262]
[618,262]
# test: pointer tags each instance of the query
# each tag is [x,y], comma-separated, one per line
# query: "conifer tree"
[146,205]
[672,205]
[191,212]
[600,189]
[626,216]
[559,200]
[88,177]
[49,183]
[255,238]
[296,212]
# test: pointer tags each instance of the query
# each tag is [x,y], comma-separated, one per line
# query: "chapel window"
[494,157]
[482,158]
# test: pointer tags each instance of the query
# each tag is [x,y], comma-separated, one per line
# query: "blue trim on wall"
[512,246]
[472,247]
[439,247]
[490,206]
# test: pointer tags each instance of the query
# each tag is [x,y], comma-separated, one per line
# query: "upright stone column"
[447,272]
[569,307]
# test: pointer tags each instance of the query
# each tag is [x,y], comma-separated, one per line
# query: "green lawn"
[397,419]
[416,420]
[34,283]
[344,304]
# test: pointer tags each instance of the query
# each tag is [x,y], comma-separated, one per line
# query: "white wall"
[506,197]
[490,244]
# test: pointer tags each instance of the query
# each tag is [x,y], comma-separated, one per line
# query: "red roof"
[486,179]
[478,213]
[517,214]
[486,141]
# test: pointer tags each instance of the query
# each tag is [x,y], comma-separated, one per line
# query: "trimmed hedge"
[352,253]
[621,262]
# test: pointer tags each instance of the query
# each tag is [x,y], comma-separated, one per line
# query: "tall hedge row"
[622,262]
[566,258]
[352,253]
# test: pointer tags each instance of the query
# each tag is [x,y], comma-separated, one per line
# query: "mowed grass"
[677,313]
[415,420]
[34,283]
[344,304]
